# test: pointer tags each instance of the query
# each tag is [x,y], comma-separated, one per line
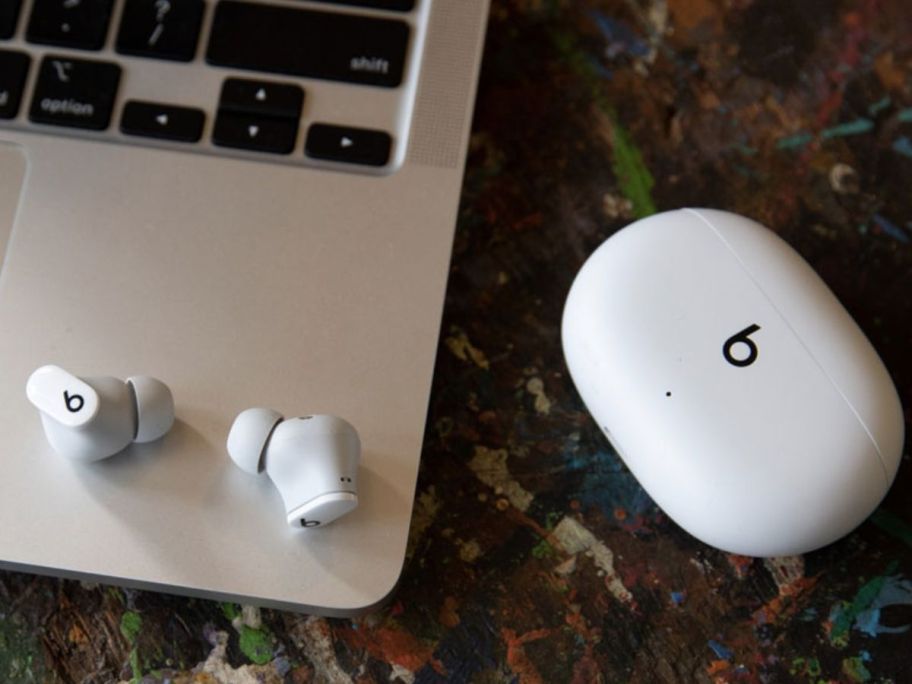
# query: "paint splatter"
[633,176]
[449,612]
[864,611]
[891,229]
[401,674]
[844,179]
[536,387]
[568,567]
[255,642]
[609,486]
[458,343]
[21,657]
[717,666]
[740,564]
[219,669]
[130,627]
[856,127]
[76,635]
[543,549]
[620,38]
[314,637]
[877,107]
[616,207]
[892,76]
[795,141]
[657,18]
[807,667]
[808,615]
[250,617]
[720,650]
[517,659]
[469,551]
[802,138]
[903,146]
[574,539]
[894,592]
[786,571]
[854,668]
[490,466]
[387,641]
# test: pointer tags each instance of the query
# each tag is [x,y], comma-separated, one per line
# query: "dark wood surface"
[534,555]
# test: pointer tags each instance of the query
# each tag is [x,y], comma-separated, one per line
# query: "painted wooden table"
[535,556]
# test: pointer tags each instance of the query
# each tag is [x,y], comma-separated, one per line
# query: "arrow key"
[260,134]
[348,145]
[262,98]
[165,122]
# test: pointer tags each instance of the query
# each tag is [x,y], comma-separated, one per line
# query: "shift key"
[77,93]
[299,42]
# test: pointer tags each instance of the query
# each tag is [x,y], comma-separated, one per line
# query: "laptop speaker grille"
[440,108]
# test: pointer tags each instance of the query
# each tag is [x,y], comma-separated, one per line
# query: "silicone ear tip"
[154,408]
[248,436]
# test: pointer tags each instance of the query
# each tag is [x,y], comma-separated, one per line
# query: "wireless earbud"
[312,460]
[90,419]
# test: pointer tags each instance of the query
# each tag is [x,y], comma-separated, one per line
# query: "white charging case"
[735,386]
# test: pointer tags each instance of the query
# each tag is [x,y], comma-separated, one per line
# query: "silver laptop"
[253,201]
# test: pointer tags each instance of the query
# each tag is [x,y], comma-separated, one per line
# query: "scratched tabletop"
[534,554]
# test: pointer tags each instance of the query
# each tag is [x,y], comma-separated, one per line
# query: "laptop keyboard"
[251,71]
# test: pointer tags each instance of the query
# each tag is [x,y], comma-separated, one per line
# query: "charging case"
[737,389]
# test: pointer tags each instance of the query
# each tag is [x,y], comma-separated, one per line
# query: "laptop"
[254,201]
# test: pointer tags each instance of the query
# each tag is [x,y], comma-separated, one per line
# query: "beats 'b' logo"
[74,402]
[742,337]
[309,523]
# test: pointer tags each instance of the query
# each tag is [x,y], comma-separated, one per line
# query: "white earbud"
[92,418]
[313,461]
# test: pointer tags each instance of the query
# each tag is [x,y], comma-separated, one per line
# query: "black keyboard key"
[163,29]
[74,92]
[9,13]
[399,5]
[349,145]
[165,122]
[286,40]
[261,134]
[13,70]
[81,24]
[262,98]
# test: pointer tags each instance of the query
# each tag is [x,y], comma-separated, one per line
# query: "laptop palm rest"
[13,166]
